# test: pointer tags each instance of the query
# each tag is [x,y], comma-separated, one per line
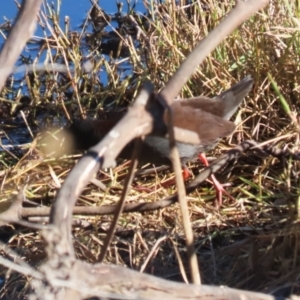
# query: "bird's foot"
[186,174]
[220,191]
[218,186]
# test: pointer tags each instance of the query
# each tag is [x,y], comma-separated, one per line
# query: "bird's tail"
[235,95]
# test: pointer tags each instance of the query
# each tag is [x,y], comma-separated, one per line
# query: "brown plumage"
[209,117]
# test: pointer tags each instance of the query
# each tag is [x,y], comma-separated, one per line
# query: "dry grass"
[250,244]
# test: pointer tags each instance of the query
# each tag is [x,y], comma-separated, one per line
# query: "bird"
[208,117]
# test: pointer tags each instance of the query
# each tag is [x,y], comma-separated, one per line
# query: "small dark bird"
[209,117]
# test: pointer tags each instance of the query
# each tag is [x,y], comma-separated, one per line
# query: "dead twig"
[121,203]
[187,225]
[21,32]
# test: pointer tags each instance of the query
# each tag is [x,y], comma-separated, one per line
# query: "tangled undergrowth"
[250,243]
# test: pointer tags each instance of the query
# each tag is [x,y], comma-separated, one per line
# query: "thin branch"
[136,122]
[241,12]
[121,203]
[21,32]
[187,225]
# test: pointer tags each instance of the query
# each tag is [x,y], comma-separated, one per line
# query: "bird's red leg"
[218,186]
[185,174]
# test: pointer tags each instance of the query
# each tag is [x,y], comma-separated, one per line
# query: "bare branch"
[136,122]
[241,12]
[21,32]
[120,205]
[101,280]
[187,225]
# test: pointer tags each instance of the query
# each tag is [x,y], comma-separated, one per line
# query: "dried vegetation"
[251,243]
